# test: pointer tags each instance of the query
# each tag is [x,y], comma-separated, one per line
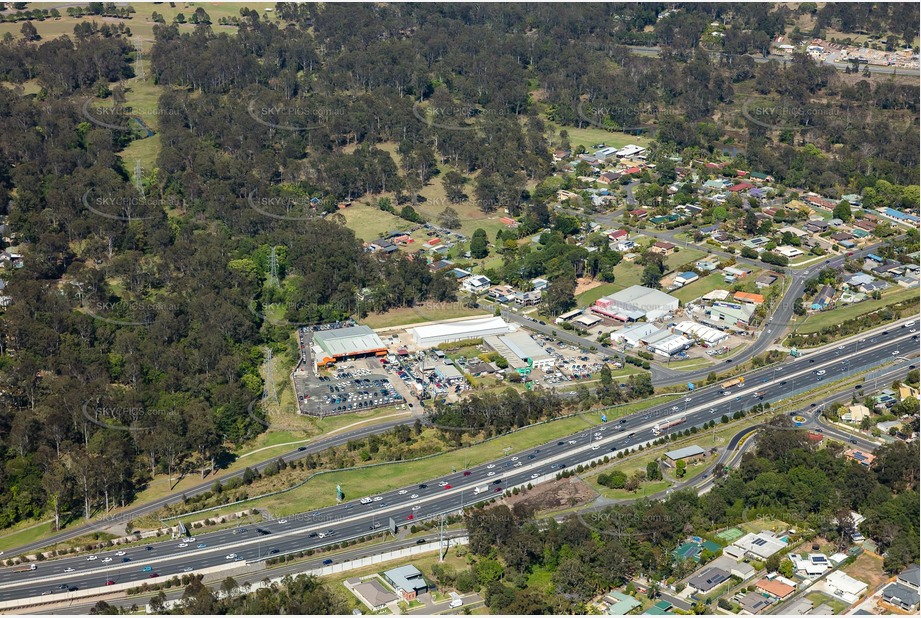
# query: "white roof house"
[812,565]
[476,283]
[845,587]
[630,150]
[760,546]
[788,251]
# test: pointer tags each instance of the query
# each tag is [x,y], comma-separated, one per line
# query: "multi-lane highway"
[352,519]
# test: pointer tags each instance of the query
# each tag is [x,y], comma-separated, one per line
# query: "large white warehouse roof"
[434,334]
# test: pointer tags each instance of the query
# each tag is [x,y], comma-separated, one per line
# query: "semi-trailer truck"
[730,383]
[480,490]
[24,568]
[660,427]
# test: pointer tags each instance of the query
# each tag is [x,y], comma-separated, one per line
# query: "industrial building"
[707,335]
[432,335]
[634,303]
[337,344]
[658,341]
[527,350]
[732,313]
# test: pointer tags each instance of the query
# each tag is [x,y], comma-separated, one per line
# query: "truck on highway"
[24,568]
[730,383]
[660,427]
[480,490]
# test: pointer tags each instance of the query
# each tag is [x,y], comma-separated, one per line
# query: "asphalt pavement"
[352,519]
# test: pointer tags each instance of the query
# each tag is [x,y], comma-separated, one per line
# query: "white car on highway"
[490,474]
[69,570]
[181,545]
[377,498]
[414,496]
[107,559]
[535,475]
[120,553]
[282,521]
[514,459]
[417,507]
[365,500]
[596,447]
[491,466]
[91,558]
[402,492]
[442,483]
[230,557]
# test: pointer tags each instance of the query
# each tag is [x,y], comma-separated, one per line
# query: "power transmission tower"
[138,179]
[273,269]
[139,65]
[269,393]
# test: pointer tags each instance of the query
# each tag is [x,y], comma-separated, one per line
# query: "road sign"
[392,525]
[604,418]
[339,495]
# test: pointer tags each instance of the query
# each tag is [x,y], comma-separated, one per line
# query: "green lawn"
[700,287]
[369,222]
[591,136]
[684,255]
[817,321]
[590,296]
[818,598]
[25,535]
[625,275]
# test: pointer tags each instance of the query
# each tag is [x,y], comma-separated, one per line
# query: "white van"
[456,603]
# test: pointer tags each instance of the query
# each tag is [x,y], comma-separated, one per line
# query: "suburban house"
[372,593]
[788,251]
[753,603]
[748,297]
[845,587]
[663,247]
[708,579]
[527,299]
[407,581]
[766,279]
[774,588]
[686,278]
[618,603]
[708,264]
[760,546]
[476,284]
[823,298]
[903,597]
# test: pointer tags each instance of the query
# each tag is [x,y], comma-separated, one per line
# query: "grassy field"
[700,287]
[817,321]
[320,491]
[141,24]
[684,255]
[369,222]
[422,313]
[29,532]
[589,297]
[592,136]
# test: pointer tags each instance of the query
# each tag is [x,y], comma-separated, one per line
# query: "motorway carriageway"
[352,520]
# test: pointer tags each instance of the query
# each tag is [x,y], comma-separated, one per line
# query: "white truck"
[480,490]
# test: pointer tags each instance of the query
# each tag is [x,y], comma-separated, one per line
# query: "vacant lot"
[817,321]
[428,312]
[868,568]
[592,136]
